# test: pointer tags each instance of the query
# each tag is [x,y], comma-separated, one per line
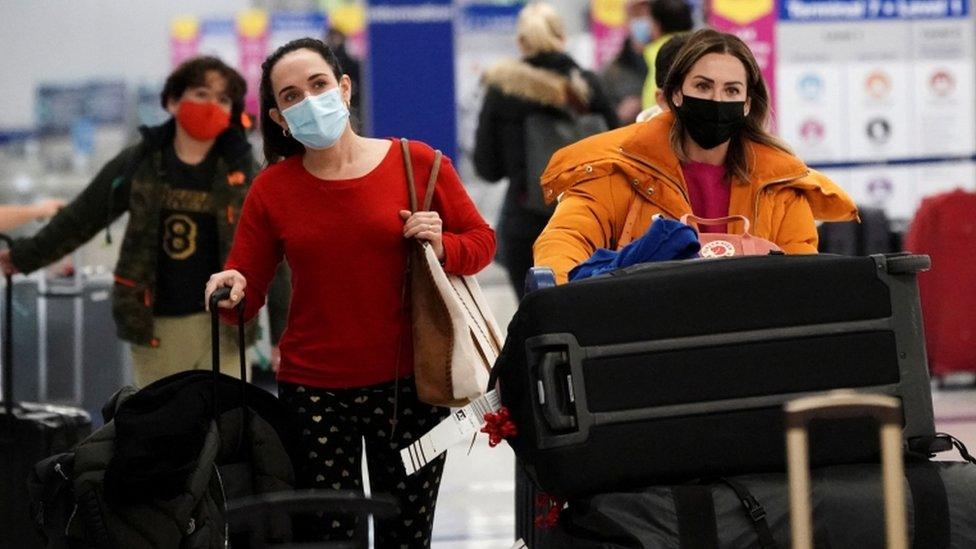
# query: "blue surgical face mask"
[319,120]
[640,30]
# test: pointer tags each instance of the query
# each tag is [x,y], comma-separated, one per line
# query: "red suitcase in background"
[944,228]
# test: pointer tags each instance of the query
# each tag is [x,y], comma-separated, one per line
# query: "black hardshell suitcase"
[28,434]
[669,371]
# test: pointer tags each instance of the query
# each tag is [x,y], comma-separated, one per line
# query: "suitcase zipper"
[67,526]
[223,497]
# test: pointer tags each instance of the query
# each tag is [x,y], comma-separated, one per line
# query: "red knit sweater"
[343,240]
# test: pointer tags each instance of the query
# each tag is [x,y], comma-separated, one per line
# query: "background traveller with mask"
[623,79]
[668,17]
[711,155]
[183,186]
[335,204]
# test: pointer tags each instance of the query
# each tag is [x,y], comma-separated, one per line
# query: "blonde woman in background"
[544,79]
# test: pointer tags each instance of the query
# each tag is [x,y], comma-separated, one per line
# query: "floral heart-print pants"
[335,423]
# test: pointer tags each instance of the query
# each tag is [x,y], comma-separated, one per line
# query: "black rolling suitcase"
[677,370]
[28,434]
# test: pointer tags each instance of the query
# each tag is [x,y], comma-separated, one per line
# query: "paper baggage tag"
[462,423]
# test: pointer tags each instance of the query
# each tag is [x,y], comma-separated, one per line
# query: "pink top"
[708,191]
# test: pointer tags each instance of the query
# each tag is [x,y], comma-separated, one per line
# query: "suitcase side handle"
[845,404]
[550,395]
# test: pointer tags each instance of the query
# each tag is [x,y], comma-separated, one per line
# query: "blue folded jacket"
[664,240]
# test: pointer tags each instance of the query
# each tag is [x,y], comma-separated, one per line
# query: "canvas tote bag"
[455,337]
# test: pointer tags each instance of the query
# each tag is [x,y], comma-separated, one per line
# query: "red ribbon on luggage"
[498,426]
[547,510]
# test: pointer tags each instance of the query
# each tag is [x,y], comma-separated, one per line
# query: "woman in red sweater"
[335,204]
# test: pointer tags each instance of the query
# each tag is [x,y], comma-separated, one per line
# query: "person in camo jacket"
[183,186]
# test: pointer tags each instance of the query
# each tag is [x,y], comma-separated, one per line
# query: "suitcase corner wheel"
[839,404]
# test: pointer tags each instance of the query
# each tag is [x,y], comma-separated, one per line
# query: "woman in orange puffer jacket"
[709,155]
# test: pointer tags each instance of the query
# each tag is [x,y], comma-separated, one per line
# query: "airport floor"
[475,509]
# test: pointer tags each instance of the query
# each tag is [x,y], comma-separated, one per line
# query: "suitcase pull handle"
[221,294]
[8,339]
[844,404]
[550,396]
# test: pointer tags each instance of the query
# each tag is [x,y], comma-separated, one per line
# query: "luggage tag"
[462,423]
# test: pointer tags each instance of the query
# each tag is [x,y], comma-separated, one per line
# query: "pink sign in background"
[181,49]
[760,35]
[607,41]
[252,51]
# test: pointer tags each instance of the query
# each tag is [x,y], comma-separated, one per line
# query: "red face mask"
[203,121]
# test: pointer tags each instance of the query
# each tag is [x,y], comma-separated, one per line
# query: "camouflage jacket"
[135,181]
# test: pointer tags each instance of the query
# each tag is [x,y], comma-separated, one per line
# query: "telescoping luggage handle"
[8,337]
[836,405]
[221,294]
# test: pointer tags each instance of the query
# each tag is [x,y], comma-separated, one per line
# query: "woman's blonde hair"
[708,41]
[540,30]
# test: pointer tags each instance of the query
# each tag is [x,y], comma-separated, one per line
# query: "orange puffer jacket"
[610,185]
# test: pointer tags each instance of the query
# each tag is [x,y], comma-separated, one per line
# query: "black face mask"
[711,123]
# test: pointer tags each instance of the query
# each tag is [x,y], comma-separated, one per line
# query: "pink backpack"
[728,245]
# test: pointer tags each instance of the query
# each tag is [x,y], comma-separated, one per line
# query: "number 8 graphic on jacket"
[179,236]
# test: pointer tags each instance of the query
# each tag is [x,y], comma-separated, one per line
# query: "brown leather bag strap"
[408,165]
[405,287]
[628,230]
[432,180]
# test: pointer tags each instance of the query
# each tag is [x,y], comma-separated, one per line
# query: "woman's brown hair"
[700,44]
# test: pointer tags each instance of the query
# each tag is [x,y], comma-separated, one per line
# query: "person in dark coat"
[545,78]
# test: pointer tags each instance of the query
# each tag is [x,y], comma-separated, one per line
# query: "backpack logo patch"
[717,248]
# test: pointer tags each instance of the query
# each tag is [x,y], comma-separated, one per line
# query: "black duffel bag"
[753,511]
